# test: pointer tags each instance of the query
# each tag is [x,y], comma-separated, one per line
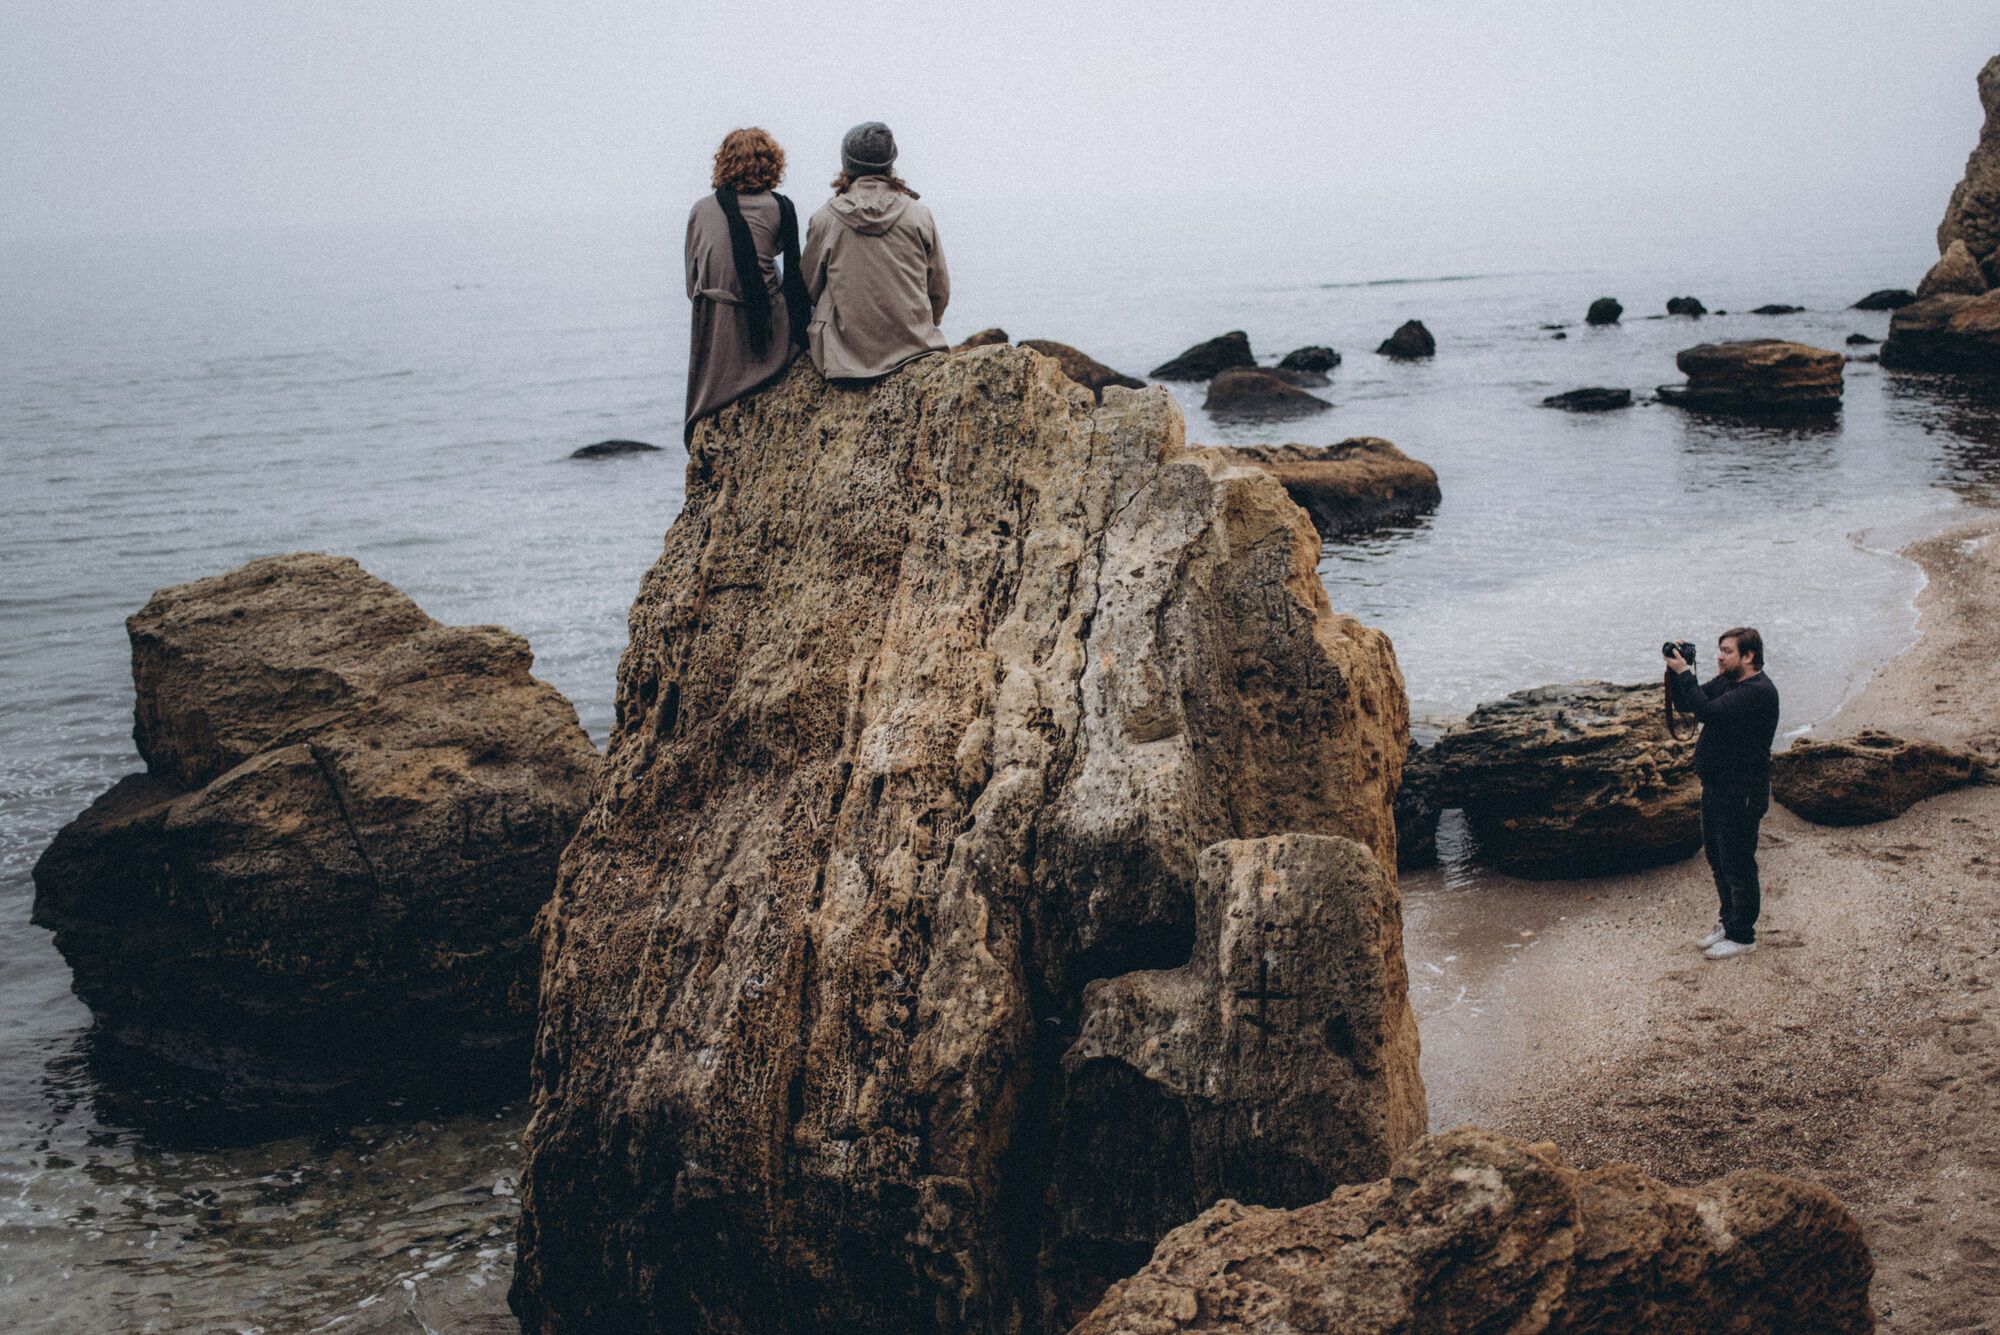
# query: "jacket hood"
[870,206]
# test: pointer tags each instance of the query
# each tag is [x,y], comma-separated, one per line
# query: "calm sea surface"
[173,406]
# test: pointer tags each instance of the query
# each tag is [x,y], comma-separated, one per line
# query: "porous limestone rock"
[328,875]
[1474,1231]
[1257,395]
[1973,213]
[1757,377]
[1946,333]
[1204,360]
[1868,777]
[1410,341]
[1603,311]
[1363,482]
[1087,371]
[1955,273]
[934,699]
[1582,779]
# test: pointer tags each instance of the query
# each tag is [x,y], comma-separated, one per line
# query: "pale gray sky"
[164,114]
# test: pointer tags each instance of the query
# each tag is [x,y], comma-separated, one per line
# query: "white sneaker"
[1726,949]
[1715,936]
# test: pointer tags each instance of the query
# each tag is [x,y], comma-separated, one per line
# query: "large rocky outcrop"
[1364,482]
[1946,333]
[328,875]
[1955,274]
[1868,777]
[1973,213]
[1473,1231]
[932,703]
[1757,377]
[1568,781]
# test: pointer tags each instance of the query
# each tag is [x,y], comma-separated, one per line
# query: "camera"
[1685,648]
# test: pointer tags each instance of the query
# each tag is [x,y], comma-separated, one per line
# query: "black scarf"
[750,275]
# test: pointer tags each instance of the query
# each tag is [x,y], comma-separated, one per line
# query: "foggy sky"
[144,115]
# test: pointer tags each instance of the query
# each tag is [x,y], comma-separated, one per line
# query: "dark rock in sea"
[1302,379]
[1956,273]
[1885,299]
[1087,371]
[1313,358]
[1861,340]
[1685,306]
[1410,341]
[1205,360]
[923,958]
[326,878]
[985,338]
[1973,214]
[1757,377]
[1946,333]
[1773,308]
[1558,334]
[1605,310]
[1869,777]
[1555,326]
[1417,812]
[1360,484]
[1258,395]
[611,449]
[1584,779]
[1476,1231]
[1596,399]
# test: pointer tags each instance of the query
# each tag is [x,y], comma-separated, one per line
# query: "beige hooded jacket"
[876,274]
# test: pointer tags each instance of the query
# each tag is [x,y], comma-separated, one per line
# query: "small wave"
[1415,282]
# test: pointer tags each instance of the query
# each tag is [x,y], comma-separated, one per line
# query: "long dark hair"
[897,183]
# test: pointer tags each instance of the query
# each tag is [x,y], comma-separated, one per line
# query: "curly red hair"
[748,161]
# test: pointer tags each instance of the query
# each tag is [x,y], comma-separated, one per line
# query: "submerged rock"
[1685,306]
[1973,214]
[1206,360]
[1861,340]
[1757,377]
[1868,777]
[1605,310]
[1258,395]
[1947,333]
[1885,299]
[985,338]
[326,878]
[1562,782]
[1596,399]
[1411,340]
[894,829]
[1087,371]
[1475,1231]
[1776,308]
[1362,483]
[607,449]
[1313,358]
[1956,274]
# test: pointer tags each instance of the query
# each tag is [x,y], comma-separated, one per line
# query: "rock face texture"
[933,702]
[1583,779]
[1955,274]
[1973,213]
[1595,399]
[1868,777]
[1206,360]
[1758,377]
[1256,395]
[1946,333]
[328,875]
[1473,1231]
[1362,483]
[1417,811]
[1087,371]
[1411,340]
[1605,310]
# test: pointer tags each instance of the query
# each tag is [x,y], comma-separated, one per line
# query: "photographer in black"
[1738,709]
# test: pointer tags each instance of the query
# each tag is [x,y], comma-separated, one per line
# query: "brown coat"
[876,274]
[721,366]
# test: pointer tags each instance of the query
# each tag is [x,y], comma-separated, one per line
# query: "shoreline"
[1859,1048]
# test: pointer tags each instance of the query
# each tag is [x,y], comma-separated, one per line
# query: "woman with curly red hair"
[749,320]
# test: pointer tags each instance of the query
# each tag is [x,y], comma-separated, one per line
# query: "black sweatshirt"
[1738,721]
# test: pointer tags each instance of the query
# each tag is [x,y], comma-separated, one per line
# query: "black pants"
[1729,821]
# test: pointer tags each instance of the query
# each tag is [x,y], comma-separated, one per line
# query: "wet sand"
[1859,1046]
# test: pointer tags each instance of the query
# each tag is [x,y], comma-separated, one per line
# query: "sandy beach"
[1858,1047]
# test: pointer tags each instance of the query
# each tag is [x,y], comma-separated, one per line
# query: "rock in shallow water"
[611,449]
[1475,1231]
[1758,377]
[1312,358]
[1595,399]
[326,879]
[1410,341]
[1685,306]
[1257,395]
[1946,333]
[1885,299]
[933,701]
[1361,483]
[1603,311]
[1206,360]
[1868,777]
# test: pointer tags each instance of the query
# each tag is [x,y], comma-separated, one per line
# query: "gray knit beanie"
[869,149]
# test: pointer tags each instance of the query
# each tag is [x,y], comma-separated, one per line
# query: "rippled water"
[170,407]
